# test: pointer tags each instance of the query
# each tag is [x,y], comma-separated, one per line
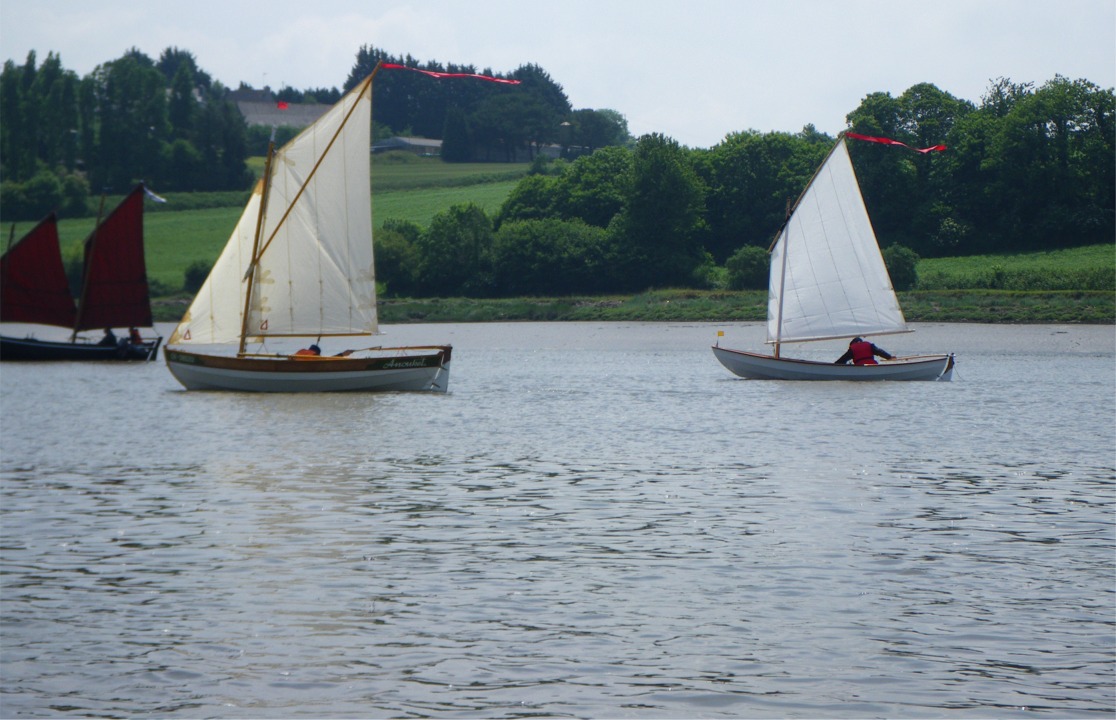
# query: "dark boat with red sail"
[114,293]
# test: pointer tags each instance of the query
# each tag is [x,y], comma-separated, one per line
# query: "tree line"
[168,123]
[482,121]
[165,122]
[1029,168]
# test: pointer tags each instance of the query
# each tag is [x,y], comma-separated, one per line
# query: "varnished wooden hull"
[390,369]
[767,367]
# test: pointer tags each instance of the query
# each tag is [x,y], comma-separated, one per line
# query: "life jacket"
[862,353]
[306,353]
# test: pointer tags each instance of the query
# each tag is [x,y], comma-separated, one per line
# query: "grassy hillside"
[1086,268]
[403,189]
[420,206]
[405,171]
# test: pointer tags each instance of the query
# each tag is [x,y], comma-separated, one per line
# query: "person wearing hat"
[862,352]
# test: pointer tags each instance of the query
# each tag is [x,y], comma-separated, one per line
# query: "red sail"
[116,293]
[33,285]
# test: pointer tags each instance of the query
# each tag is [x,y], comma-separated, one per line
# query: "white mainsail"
[828,278]
[314,274]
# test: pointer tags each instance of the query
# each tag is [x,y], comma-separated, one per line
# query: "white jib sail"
[315,272]
[835,284]
[215,315]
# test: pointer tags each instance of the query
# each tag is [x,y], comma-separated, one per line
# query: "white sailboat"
[828,281]
[298,267]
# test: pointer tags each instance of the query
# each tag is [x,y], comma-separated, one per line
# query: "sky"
[693,70]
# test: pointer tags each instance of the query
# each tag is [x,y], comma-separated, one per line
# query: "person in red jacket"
[312,351]
[862,352]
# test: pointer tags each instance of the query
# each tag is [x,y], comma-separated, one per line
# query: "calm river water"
[597,521]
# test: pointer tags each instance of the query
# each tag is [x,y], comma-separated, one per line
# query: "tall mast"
[782,280]
[250,276]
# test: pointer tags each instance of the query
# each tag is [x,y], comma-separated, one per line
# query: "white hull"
[767,367]
[409,369]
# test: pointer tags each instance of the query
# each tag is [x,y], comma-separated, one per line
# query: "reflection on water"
[597,521]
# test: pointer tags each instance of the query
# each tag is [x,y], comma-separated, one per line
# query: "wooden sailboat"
[828,281]
[298,267]
[114,293]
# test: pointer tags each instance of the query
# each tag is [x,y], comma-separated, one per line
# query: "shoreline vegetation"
[959,306]
[1073,285]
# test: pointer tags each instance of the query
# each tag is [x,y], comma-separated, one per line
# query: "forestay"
[828,278]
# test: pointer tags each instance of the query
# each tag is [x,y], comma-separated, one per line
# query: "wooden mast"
[250,276]
[783,278]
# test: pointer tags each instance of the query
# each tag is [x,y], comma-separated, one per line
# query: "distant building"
[429,147]
[417,145]
[259,107]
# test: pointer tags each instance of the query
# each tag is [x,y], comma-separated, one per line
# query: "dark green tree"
[903,189]
[173,59]
[133,124]
[593,129]
[548,257]
[658,233]
[752,178]
[455,253]
[748,268]
[594,187]
[1051,163]
[182,106]
[531,199]
[397,256]
[456,145]
[902,266]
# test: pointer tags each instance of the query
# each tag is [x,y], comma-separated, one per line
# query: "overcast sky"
[693,70]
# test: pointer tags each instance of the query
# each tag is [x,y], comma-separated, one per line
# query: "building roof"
[407,143]
[297,115]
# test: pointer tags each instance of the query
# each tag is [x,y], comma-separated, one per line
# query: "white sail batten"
[835,284]
[315,274]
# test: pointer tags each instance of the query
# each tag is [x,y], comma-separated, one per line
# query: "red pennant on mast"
[441,75]
[889,141]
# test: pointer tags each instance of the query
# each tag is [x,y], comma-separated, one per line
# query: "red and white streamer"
[889,141]
[442,75]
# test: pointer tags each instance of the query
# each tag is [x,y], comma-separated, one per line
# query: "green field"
[1085,268]
[1074,285]
[414,191]
[404,171]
